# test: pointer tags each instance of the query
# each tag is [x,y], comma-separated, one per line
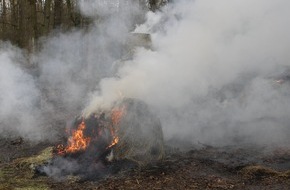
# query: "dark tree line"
[22,22]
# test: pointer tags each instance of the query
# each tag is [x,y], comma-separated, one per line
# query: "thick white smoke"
[19,97]
[66,69]
[208,74]
[72,64]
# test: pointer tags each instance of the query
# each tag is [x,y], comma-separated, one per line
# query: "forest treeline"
[22,22]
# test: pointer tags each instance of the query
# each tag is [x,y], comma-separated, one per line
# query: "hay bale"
[140,134]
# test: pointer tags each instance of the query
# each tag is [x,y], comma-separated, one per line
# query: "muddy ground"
[197,167]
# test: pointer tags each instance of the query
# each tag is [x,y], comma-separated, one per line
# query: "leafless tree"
[22,22]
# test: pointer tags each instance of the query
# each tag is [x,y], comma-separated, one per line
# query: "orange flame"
[77,141]
[116,116]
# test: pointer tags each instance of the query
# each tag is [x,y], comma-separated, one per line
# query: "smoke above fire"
[209,73]
[209,76]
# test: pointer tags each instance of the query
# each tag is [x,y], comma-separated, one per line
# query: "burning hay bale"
[128,131]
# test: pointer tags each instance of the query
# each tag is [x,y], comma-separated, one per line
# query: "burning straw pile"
[128,131]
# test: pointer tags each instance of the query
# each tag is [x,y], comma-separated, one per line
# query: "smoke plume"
[209,75]
[64,71]
[19,96]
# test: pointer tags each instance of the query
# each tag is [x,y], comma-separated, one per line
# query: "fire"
[116,116]
[77,141]
[114,141]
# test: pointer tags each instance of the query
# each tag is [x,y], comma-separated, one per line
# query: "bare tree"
[47,16]
[58,7]
[23,21]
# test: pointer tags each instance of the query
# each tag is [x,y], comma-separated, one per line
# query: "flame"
[116,115]
[77,141]
[114,141]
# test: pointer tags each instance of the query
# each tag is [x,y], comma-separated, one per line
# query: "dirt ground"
[205,167]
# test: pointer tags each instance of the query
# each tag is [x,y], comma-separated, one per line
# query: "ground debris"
[206,168]
[260,172]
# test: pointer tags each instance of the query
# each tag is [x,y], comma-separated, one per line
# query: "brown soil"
[205,167]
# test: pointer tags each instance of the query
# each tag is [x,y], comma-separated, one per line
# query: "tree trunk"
[33,25]
[14,21]
[47,16]
[21,34]
[4,20]
[58,4]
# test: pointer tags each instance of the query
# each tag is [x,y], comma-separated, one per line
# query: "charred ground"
[202,167]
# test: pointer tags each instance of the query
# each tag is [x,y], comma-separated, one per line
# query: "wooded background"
[22,22]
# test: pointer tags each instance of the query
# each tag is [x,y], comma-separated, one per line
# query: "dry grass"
[19,173]
[258,171]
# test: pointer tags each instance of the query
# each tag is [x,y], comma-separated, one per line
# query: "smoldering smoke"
[208,75]
[19,96]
